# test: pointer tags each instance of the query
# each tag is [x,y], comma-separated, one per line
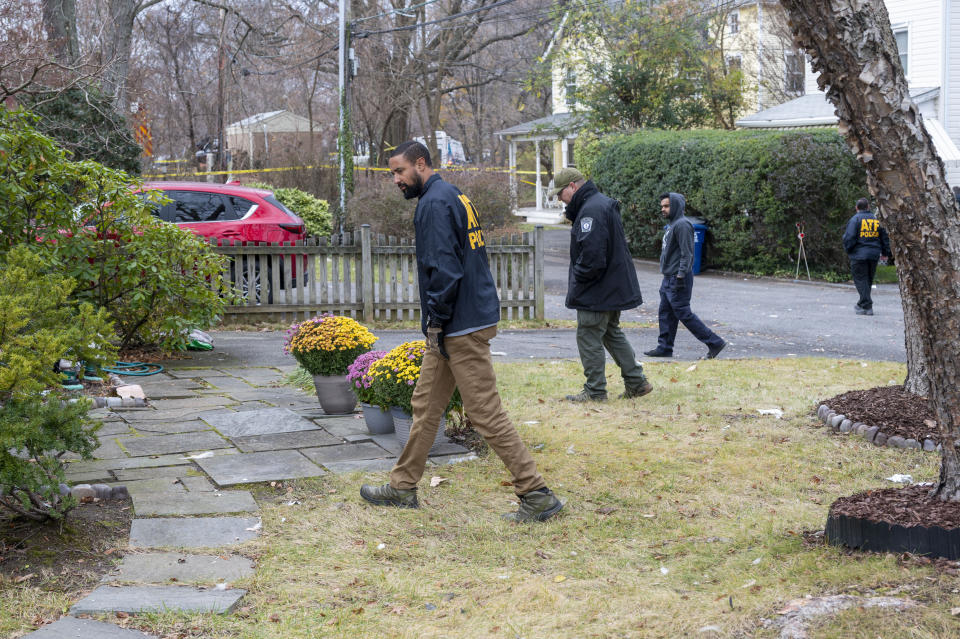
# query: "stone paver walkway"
[206,430]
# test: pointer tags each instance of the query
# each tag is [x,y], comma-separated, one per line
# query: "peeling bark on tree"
[917,381]
[851,45]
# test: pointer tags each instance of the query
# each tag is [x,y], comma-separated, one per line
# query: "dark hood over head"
[678,204]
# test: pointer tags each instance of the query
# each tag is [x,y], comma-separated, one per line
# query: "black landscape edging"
[880,536]
[840,424]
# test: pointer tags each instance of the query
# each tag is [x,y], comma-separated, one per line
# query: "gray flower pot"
[402,421]
[379,420]
[335,394]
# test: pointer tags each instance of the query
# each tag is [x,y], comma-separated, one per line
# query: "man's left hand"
[435,341]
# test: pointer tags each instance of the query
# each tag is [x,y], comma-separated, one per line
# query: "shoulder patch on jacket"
[586,225]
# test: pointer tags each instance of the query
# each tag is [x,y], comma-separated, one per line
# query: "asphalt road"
[759,317]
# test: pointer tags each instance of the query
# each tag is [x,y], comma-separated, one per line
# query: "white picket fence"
[366,277]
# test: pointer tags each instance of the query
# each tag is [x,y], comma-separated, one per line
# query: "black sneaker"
[715,350]
[537,505]
[658,352]
[584,396]
[632,393]
[864,311]
[387,495]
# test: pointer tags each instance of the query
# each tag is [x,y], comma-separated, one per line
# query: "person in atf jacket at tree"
[459,310]
[676,289]
[602,282]
[865,242]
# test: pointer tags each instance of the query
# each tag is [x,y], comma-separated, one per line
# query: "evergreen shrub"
[751,188]
[314,211]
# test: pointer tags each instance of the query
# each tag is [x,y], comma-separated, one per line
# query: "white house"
[928,39]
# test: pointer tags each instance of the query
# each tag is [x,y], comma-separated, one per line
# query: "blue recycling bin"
[699,237]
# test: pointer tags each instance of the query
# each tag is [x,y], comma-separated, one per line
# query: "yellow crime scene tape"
[320,166]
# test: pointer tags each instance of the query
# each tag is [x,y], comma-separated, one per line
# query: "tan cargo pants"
[470,369]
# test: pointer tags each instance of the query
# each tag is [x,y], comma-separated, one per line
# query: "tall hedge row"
[751,187]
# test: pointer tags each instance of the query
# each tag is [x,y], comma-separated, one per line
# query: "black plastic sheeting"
[879,536]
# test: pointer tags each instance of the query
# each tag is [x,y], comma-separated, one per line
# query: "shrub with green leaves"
[39,324]
[84,219]
[314,211]
[751,187]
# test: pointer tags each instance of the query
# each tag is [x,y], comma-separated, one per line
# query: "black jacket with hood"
[602,276]
[456,287]
[676,253]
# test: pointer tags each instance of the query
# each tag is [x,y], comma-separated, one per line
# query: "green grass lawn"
[687,509]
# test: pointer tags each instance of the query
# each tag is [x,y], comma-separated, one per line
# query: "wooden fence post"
[366,258]
[538,272]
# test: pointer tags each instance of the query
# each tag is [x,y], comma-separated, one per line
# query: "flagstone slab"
[134,474]
[249,468]
[168,415]
[117,427]
[73,628]
[198,484]
[88,476]
[137,599]
[78,467]
[179,443]
[345,452]
[259,422]
[342,426]
[194,373]
[154,486]
[108,449]
[196,403]
[169,428]
[361,465]
[163,567]
[184,504]
[193,532]
[280,441]
[282,399]
[226,384]
[259,376]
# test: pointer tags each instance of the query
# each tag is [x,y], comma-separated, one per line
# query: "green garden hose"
[134,369]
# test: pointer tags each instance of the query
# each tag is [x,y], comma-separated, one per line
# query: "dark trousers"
[863,272]
[675,309]
[598,330]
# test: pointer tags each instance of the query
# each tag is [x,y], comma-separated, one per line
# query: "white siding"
[950,91]
[923,21]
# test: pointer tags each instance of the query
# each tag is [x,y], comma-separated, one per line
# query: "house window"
[570,87]
[793,70]
[570,159]
[733,21]
[903,47]
[734,64]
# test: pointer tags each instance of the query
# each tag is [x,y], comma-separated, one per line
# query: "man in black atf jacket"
[865,241]
[676,289]
[459,310]
[602,282]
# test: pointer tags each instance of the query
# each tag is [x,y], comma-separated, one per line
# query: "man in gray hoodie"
[676,265]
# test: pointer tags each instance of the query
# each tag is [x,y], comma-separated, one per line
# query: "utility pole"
[344,146]
[221,64]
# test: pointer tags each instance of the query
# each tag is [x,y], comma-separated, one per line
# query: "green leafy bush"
[490,195]
[84,219]
[39,324]
[314,211]
[751,187]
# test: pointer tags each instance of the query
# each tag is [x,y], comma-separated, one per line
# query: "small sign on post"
[802,253]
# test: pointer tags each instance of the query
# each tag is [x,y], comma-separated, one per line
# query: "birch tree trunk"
[851,44]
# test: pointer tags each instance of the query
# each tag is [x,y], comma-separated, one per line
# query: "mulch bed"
[71,559]
[910,506]
[892,409]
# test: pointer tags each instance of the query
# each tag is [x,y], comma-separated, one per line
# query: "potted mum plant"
[376,411]
[393,379]
[325,346]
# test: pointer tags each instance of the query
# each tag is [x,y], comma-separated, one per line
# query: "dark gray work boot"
[640,391]
[584,396]
[537,505]
[387,495]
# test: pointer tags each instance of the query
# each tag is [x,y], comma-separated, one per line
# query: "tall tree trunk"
[116,50]
[60,23]
[917,381]
[851,44]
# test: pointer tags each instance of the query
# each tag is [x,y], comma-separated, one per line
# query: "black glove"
[681,282]
[435,341]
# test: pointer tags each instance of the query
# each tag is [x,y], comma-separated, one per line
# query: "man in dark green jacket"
[602,282]
[460,311]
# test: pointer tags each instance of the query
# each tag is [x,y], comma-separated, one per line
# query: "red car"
[228,211]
